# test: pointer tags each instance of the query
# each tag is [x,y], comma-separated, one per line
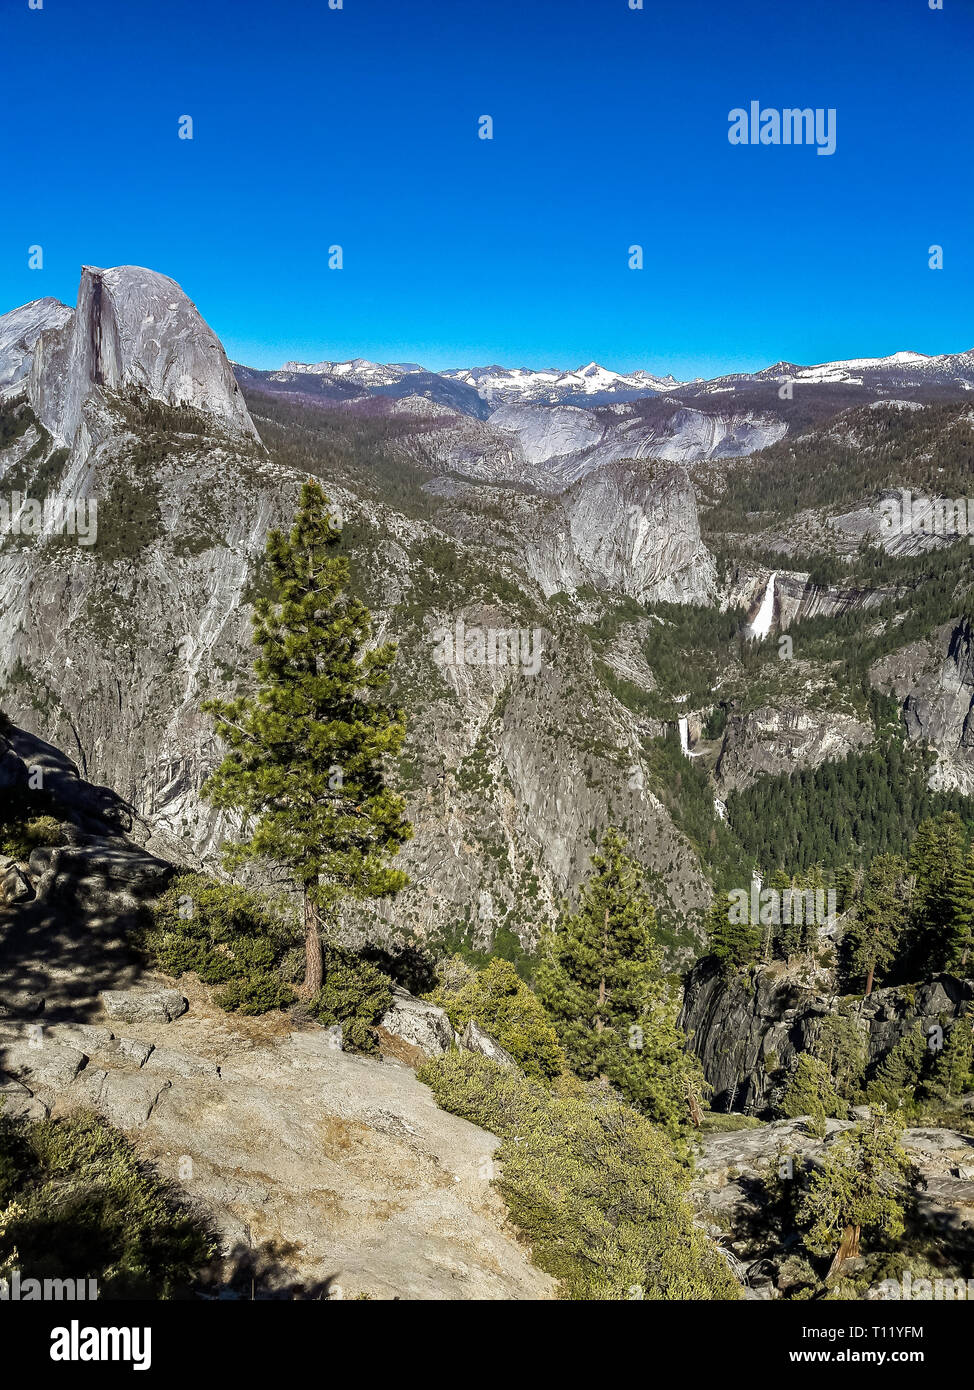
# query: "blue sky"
[359,127]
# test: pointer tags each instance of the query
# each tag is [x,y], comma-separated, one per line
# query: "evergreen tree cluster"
[602,981]
[859,806]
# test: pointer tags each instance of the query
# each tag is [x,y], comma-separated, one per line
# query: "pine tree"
[856,1187]
[960,913]
[734,943]
[952,1067]
[898,1075]
[307,749]
[936,857]
[810,1093]
[601,979]
[841,1047]
[879,919]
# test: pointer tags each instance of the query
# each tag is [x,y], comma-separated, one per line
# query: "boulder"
[418,1022]
[17,1103]
[143,1005]
[474,1039]
[41,1062]
[15,886]
[125,1099]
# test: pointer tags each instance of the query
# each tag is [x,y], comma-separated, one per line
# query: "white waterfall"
[684,736]
[764,617]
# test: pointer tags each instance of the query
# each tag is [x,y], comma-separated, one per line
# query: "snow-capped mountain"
[900,370]
[591,385]
[358,372]
[478,391]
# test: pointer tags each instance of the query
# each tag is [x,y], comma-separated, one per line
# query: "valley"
[653,644]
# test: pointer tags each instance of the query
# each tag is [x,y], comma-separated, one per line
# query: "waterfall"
[764,617]
[684,736]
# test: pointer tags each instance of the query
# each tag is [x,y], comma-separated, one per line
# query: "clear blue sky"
[359,126]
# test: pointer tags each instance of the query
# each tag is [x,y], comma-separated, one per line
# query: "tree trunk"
[696,1118]
[599,1025]
[313,960]
[869,981]
[848,1250]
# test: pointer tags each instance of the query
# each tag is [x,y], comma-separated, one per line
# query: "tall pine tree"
[307,750]
[601,979]
[878,919]
[960,915]
[936,857]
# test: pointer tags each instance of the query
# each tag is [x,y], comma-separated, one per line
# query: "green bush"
[499,1000]
[229,936]
[493,1097]
[20,836]
[590,1184]
[354,994]
[256,994]
[76,1202]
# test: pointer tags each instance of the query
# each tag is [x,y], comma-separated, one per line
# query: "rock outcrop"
[132,330]
[336,1172]
[768,741]
[934,682]
[747,1033]
[731,1169]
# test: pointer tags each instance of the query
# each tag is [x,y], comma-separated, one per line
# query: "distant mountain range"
[478,391]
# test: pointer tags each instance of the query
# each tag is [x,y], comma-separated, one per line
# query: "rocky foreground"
[730,1200]
[333,1173]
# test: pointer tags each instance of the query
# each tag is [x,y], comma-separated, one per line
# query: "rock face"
[934,682]
[747,1035]
[19,331]
[768,741]
[132,330]
[796,598]
[640,534]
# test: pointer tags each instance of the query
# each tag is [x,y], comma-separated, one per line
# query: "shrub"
[256,994]
[20,836]
[76,1202]
[590,1184]
[355,994]
[229,936]
[493,1097]
[499,1000]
